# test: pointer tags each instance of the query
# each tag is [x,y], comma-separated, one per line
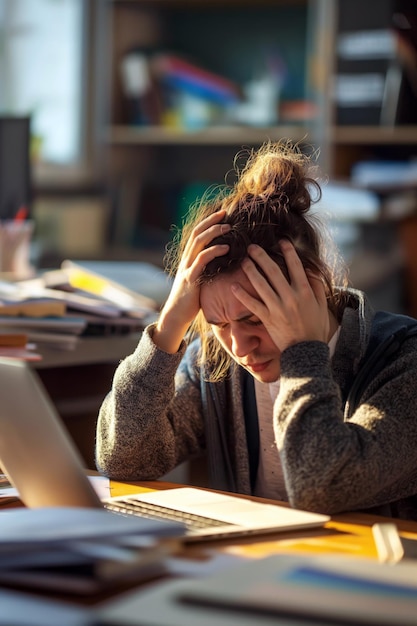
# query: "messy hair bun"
[281,176]
[270,201]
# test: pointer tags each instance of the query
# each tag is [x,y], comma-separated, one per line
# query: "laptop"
[43,464]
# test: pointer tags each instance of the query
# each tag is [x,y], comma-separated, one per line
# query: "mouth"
[257,367]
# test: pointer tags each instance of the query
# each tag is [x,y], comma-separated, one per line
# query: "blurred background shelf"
[221,135]
[363,135]
[150,144]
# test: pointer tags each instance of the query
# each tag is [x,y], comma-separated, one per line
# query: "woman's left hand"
[290,312]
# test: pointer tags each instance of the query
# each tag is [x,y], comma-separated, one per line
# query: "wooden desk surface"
[347,534]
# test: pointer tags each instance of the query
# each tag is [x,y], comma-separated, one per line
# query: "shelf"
[88,351]
[221,135]
[196,4]
[366,135]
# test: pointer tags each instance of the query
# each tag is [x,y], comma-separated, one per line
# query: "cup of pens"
[15,243]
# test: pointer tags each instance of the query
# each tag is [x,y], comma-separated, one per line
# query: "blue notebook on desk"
[326,589]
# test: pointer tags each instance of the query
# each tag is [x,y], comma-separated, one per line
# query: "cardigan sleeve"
[150,421]
[332,465]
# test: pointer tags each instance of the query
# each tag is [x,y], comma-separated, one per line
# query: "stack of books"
[81,550]
[180,74]
[60,306]
[165,88]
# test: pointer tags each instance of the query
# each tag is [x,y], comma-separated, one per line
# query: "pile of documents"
[81,550]
[59,306]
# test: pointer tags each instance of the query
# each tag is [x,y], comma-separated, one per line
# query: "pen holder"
[15,242]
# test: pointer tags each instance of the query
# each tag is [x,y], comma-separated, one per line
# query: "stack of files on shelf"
[85,290]
[30,317]
[58,329]
[146,282]
[82,550]
[16,345]
[60,305]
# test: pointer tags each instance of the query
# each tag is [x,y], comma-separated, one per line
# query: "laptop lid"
[35,450]
[45,467]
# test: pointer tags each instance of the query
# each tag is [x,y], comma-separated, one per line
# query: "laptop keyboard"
[192,522]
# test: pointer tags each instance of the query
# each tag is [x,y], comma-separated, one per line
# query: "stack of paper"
[81,550]
[16,345]
[60,305]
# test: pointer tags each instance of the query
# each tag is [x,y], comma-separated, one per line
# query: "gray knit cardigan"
[160,412]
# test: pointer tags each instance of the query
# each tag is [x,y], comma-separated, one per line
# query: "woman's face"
[240,332]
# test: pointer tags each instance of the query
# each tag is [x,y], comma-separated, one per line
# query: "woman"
[273,387]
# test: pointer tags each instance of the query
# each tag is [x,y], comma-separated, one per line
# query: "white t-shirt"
[270,478]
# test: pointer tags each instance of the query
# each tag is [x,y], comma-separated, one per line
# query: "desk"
[348,533]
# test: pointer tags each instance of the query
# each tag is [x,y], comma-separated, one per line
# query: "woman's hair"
[270,201]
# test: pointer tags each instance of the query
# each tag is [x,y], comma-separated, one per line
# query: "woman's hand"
[183,302]
[291,312]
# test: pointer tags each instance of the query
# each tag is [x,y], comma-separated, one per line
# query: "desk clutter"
[59,306]
[81,550]
[280,589]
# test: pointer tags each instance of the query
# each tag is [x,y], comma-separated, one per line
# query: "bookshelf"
[149,166]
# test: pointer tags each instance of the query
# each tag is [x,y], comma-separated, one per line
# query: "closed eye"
[253,322]
[249,321]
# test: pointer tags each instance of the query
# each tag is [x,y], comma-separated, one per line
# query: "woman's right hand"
[183,302]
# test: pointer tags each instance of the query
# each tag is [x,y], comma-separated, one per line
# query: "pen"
[21,214]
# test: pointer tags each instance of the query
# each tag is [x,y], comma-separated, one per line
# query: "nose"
[242,341]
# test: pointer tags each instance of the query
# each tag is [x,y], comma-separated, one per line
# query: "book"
[25,354]
[324,589]
[57,340]
[131,303]
[65,324]
[78,570]
[142,279]
[54,286]
[140,89]
[180,73]
[33,307]
[15,345]
[82,550]
[11,339]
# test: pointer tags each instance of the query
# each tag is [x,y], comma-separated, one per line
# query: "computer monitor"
[15,166]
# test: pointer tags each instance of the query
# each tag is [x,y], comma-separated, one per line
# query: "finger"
[204,257]
[205,232]
[214,218]
[296,269]
[254,305]
[259,282]
[274,282]
[318,288]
